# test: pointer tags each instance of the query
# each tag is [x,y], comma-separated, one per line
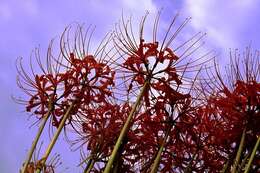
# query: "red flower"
[89,80]
[50,167]
[155,62]
[232,107]
[85,79]
[100,129]
[43,89]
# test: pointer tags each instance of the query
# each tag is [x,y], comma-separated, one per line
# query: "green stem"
[252,155]
[239,152]
[159,153]
[89,166]
[243,162]
[115,166]
[118,159]
[38,135]
[91,159]
[125,129]
[225,168]
[55,137]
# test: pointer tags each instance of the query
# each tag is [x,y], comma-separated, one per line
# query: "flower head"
[43,88]
[75,77]
[231,107]
[157,62]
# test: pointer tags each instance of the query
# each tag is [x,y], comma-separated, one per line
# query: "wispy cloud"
[229,24]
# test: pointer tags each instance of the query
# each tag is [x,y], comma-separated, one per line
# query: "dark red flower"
[43,89]
[100,129]
[77,78]
[232,107]
[50,167]
[156,62]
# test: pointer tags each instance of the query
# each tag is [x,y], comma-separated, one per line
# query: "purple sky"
[29,23]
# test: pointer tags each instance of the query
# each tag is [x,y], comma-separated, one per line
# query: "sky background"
[26,24]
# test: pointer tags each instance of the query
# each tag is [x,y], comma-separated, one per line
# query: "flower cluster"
[140,105]
[231,109]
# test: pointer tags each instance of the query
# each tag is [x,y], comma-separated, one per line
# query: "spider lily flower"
[89,79]
[100,127]
[50,167]
[156,61]
[44,88]
[47,168]
[171,135]
[153,65]
[86,79]
[231,116]
[140,146]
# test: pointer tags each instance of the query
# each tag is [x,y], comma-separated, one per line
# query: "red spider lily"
[156,61]
[153,65]
[45,93]
[103,123]
[143,139]
[43,89]
[232,109]
[148,131]
[227,115]
[100,128]
[95,77]
[49,167]
[197,154]
[87,82]
[86,79]
[180,138]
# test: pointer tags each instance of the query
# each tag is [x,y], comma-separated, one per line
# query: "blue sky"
[26,24]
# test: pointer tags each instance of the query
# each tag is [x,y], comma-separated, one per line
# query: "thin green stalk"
[239,152]
[116,163]
[125,129]
[159,153]
[115,166]
[243,162]
[157,160]
[55,137]
[225,168]
[38,135]
[252,155]
[89,166]
[91,159]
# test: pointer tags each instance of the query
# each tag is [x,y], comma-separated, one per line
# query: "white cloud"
[222,20]
[10,10]
[140,6]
